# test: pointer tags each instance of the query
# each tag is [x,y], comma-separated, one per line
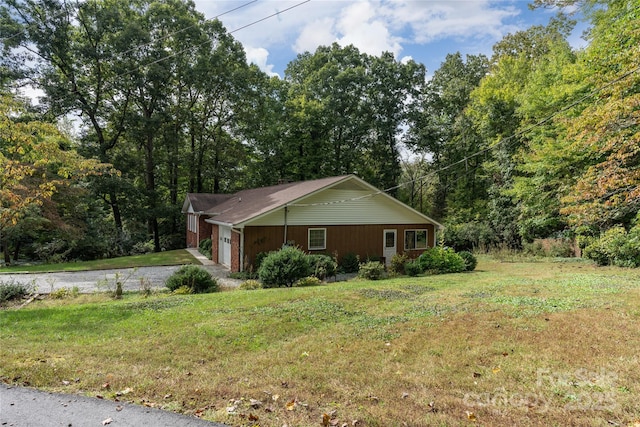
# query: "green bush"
[322,265]
[371,270]
[440,260]
[616,246]
[195,278]
[350,263]
[470,261]
[412,268]
[260,256]
[397,263]
[250,285]
[12,290]
[205,247]
[308,281]
[284,267]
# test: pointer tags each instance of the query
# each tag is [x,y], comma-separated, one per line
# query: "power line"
[208,41]
[187,28]
[503,141]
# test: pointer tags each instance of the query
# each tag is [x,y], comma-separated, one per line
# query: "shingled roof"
[201,202]
[249,204]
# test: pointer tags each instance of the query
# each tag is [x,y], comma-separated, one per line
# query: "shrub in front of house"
[350,263]
[11,290]
[412,268]
[440,260]
[205,247]
[197,279]
[371,270]
[397,263]
[322,266]
[470,261]
[284,267]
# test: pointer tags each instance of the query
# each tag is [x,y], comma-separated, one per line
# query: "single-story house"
[336,216]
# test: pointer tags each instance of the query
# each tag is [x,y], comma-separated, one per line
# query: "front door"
[390,245]
[224,246]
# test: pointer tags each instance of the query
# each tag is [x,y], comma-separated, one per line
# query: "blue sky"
[424,30]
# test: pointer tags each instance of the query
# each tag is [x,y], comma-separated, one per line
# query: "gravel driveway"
[105,280]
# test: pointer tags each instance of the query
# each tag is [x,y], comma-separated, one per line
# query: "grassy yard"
[526,344]
[176,257]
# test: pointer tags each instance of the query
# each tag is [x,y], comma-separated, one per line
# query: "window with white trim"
[192,223]
[415,239]
[317,239]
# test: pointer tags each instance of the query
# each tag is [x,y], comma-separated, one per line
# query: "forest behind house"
[146,100]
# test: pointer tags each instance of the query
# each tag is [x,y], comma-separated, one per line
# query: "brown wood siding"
[363,240]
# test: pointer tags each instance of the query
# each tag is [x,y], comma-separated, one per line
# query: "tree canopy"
[539,140]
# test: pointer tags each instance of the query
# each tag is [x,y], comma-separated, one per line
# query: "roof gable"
[250,206]
[201,202]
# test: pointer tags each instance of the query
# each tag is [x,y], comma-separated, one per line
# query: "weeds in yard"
[510,344]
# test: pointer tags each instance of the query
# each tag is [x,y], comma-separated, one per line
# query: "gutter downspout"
[286,210]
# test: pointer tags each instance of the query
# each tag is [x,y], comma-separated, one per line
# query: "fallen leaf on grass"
[253,417]
[496,370]
[254,403]
[471,416]
[291,405]
[124,392]
[106,385]
[325,420]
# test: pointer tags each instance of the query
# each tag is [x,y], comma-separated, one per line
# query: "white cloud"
[400,26]
[259,56]
[362,26]
[434,20]
[316,33]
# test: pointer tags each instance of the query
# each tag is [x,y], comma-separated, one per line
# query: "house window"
[317,239]
[193,223]
[415,239]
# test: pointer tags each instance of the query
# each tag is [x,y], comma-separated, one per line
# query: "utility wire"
[208,41]
[503,141]
[186,28]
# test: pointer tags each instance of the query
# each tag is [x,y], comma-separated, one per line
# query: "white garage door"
[224,246]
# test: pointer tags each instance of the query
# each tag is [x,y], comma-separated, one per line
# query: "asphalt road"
[26,407]
[105,280]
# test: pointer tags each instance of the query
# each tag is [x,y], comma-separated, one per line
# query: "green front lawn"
[526,344]
[176,257]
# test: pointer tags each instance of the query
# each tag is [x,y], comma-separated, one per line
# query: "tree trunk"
[5,250]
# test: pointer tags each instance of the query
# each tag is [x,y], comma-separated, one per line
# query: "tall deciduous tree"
[608,129]
[440,129]
[36,161]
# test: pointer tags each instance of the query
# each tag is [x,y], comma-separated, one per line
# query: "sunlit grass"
[510,344]
[176,257]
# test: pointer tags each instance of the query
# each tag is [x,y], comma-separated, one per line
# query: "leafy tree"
[607,132]
[496,111]
[441,130]
[36,160]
